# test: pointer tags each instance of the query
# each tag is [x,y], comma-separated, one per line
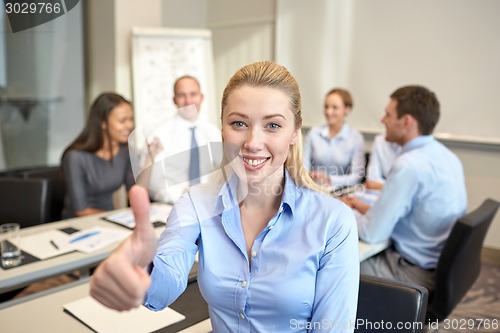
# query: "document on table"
[91,239]
[41,245]
[104,320]
[51,243]
[368,196]
[204,326]
[369,250]
[157,214]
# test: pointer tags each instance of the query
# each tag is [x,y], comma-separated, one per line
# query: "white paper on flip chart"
[104,320]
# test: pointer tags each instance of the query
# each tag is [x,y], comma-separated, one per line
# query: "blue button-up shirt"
[423,197]
[341,157]
[302,276]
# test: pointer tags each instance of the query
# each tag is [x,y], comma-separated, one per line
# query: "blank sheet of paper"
[104,320]
[40,244]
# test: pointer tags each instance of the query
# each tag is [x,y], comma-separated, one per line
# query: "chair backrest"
[24,201]
[390,306]
[460,262]
[367,160]
[18,172]
[56,179]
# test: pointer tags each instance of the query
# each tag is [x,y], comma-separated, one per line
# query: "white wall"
[191,14]
[109,25]
[243,32]
[108,48]
[373,47]
[99,48]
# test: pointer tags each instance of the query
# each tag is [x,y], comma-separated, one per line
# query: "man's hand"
[154,147]
[320,177]
[374,185]
[356,203]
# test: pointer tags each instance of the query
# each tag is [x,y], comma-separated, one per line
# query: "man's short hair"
[186,77]
[419,102]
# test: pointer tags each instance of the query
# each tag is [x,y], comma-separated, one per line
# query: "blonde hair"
[272,75]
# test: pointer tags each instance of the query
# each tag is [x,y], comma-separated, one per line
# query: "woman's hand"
[121,281]
[320,177]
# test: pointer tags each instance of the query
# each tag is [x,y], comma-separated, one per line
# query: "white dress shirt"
[170,172]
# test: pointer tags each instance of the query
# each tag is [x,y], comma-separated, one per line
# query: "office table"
[14,278]
[18,277]
[45,308]
[369,250]
[46,312]
[43,312]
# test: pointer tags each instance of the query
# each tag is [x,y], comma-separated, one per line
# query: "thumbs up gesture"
[121,281]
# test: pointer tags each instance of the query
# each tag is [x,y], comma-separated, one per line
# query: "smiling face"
[258,122]
[187,92]
[335,110]
[394,127]
[120,123]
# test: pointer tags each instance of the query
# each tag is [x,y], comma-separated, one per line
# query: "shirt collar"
[181,121]
[417,142]
[228,198]
[342,135]
[290,193]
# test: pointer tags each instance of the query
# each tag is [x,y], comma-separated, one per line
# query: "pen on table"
[84,236]
[54,244]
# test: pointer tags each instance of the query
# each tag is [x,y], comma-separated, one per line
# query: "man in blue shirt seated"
[423,196]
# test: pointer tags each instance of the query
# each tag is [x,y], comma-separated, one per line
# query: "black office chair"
[367,160]
[390,306]
[24,201]
[17,172]
[460,262]
[56,179]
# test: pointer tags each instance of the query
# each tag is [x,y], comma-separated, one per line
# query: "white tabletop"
[23,275]
[369,250]
[45,310]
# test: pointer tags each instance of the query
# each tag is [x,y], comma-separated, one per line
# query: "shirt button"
[254,253]
[242,316]
[244,284]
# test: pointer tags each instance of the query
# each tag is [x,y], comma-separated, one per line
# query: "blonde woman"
[275,254]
